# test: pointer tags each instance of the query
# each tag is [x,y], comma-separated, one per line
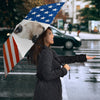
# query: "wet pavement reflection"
[84,82]
[85,77]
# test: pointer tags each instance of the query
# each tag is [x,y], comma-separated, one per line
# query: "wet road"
[85,77]
[84,82]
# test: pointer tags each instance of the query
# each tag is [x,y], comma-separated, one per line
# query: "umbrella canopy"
[19,43]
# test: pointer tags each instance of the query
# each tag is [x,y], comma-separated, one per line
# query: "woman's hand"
[67,67]
[88,57]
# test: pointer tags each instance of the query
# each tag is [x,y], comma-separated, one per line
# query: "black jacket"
[49,71]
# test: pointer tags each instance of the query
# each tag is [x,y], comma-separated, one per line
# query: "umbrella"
[20,41]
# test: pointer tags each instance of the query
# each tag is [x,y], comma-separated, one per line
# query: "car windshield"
[55,32]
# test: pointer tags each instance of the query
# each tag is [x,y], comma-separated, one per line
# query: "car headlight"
[8,34]
[77,38]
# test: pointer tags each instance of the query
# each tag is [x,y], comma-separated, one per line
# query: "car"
[4,33]
[67,41]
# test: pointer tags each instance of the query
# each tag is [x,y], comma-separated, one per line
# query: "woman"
[50,67]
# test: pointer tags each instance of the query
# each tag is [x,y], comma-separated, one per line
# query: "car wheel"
[68,44]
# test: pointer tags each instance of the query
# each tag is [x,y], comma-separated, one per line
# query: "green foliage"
[13,11]
[92,13]
[10,13]
[96,3]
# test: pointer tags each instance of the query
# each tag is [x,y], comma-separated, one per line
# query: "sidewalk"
[85,35]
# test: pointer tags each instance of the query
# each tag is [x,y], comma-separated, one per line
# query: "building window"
[66,14]
[86,6]
[78,7]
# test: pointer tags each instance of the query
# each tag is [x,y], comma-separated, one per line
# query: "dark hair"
[37,47]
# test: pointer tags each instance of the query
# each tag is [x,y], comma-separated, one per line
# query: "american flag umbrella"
[20,41]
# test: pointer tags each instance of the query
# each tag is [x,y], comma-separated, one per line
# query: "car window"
[55,32]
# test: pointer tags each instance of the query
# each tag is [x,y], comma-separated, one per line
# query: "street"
[84,82]
[85,77]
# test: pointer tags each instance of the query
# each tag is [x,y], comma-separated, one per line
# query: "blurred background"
[85,13]
[83,17]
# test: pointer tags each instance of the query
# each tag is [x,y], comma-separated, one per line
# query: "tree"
[29,4]
[95,4]
[91,13]
[49,1]
[9,12]
[13,11]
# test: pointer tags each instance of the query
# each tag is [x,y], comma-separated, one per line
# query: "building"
[67,10]
[71,9]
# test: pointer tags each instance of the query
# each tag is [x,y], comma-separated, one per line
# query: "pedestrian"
[50,67]
[78,29]
[70,28]
[95,29]
[65,27]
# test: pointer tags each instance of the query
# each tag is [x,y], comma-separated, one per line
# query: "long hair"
[37,47]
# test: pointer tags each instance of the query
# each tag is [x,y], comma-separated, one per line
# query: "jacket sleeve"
[45,62]
[70,59]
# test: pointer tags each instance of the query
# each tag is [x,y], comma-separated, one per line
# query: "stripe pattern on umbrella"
[11,54]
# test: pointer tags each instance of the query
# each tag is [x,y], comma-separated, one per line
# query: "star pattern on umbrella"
[45,13]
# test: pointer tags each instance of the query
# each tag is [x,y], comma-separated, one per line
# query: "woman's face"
[48,40]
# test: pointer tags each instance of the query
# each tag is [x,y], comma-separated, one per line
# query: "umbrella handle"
[69,75]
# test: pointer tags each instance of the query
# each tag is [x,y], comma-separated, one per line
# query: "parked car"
[60,39]
[4,33]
